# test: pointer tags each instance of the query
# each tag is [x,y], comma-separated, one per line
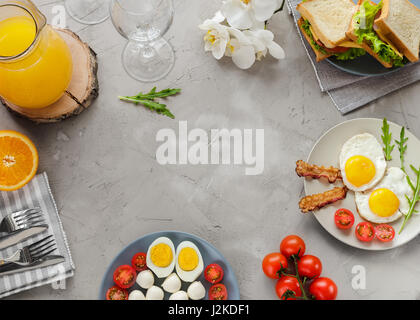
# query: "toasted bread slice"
[400,23]
[319,55]
[329,19]
[350,33]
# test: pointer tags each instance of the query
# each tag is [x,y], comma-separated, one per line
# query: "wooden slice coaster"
[82,91]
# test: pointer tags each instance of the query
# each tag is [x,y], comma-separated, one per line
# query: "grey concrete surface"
[110,189]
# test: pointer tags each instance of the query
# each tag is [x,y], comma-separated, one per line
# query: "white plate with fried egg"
[377,187]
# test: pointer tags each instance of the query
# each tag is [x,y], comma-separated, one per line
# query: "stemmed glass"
[88,11]
[147,56]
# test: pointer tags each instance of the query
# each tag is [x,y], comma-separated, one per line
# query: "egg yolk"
[359,170]
[188,259]
[161,255]
[383,202]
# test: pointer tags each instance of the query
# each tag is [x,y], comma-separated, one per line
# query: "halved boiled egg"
[161,257]
[189,262]
[386,202]
[362,162]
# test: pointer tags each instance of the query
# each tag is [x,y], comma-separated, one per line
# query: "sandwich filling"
[346,51]
[364,28]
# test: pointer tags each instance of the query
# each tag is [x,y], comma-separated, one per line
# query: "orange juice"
[36,68]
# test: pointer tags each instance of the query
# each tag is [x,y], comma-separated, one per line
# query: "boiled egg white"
[145,279]
[154,293]
[172,283]
[161,257]
[362,162]
[387,201]
[136,295]
[189,262]
[196,291]
[180,295]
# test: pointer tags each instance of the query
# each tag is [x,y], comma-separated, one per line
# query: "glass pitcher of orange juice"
[35,62]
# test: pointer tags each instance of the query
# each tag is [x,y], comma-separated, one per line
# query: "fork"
[21,220]
[32,253]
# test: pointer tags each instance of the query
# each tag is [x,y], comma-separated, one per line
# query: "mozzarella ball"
[145,279]
[154,293]
[172,283]
[196,291]
[180,295]
[136,295]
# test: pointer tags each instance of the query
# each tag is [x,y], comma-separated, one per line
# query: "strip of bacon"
[318,201]
[304,169]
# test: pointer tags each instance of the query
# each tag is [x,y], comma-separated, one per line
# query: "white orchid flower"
[263,41]
[245,14]
[217,36]
[241,49]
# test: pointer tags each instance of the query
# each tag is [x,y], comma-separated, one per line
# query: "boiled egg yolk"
[383,202]
[188,259]
[161,255]
[359,170]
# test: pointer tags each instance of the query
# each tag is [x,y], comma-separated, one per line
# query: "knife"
[11,268]
[19,236]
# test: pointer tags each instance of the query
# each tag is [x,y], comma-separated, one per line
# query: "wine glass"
[88,11]
[147,56]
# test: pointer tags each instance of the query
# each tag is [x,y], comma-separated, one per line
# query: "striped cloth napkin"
[35,194]
[349,92]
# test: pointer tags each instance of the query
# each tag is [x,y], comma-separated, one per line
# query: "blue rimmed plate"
[209,252]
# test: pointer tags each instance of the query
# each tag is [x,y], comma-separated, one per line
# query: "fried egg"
[160,257]
[189,262]
[387,201]
[362,162]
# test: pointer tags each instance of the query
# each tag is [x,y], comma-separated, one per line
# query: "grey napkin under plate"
[37,193]
[349,92]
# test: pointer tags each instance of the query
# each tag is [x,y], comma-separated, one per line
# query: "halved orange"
[18,160]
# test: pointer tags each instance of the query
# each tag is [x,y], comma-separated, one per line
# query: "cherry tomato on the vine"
[323,289]
[288,285]
[292,245]
[272,264]
[309,266]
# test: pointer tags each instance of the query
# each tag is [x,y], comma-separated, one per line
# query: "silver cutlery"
[22,220]
[21,235]
[32,253]
[42,263]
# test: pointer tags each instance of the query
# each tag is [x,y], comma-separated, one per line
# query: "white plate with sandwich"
[358,139]
[365,38]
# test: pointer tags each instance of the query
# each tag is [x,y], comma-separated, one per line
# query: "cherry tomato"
[292,245]
[365,231]
[125,276]
[309,267]
[218,292]
[344,219]
[213,273]
[139,261]
[384,232]
[323,289]
[286,284]
[116,293]
[272,264]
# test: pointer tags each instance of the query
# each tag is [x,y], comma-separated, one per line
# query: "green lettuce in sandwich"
[364,31]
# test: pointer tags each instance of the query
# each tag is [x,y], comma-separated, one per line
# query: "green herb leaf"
[402,147]
[416,198]
[387,140]
[148,100]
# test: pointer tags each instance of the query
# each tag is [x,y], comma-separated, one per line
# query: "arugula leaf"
[416,198]
[402,147]
[148,100]
[387,139]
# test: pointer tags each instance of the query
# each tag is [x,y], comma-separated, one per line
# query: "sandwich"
[324,24]
[389,31]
